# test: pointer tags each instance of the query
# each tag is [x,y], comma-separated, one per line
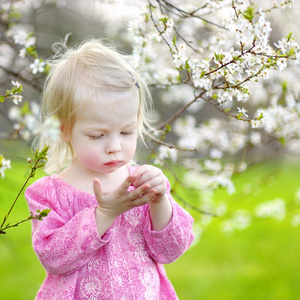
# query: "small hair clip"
[136,82]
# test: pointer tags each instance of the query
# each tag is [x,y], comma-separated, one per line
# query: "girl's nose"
[113,145]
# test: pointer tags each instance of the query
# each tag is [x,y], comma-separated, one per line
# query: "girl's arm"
[168,227]
[62,242]
[160,206]
[168,244]
[161,213]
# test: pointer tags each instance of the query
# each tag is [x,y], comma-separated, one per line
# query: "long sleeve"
[167,245]
[62,242]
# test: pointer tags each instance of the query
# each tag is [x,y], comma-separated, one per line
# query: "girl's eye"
[127,132]
[95,137]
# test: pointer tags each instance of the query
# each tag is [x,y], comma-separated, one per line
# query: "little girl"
[112,224]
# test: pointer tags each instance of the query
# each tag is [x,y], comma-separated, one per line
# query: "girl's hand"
[121,200]
[160,205]
[154,178]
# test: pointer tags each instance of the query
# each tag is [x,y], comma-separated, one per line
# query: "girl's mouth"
[113,163]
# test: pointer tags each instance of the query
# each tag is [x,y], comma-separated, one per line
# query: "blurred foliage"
[258,263]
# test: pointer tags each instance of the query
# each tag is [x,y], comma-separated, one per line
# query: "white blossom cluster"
[23,37]
[241,53]
[27,125]
[15,92]
[215,60]
[271,209]
[229,64]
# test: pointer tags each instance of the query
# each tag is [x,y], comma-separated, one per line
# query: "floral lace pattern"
[125,263]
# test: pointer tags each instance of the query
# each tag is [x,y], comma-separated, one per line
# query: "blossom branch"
[185,14]
[39,161]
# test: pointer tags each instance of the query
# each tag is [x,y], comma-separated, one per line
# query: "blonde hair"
[77,76]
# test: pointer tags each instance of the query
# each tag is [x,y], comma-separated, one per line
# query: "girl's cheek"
[90,155]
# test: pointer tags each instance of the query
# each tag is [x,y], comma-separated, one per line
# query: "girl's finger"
[138,192]
[146,176]
[126,184]
[144,199]
[97,189]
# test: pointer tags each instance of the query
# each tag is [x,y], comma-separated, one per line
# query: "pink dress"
[124,263]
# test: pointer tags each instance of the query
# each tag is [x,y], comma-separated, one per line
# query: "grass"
[258,263]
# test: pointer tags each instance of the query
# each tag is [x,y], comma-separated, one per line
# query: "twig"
[171,146]
[186,14]
[180,111]
[40,157]
[192,207]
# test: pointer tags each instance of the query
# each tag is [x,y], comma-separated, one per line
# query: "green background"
[258,263]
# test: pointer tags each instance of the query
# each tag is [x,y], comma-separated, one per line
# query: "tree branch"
[180,111]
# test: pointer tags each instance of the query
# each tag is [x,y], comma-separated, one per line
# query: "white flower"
[30,41]
[201,82]
[31,122]
[281,63]
[51,129]
[214,166]
[17,99]
[37,66]
[242,166]
[22,52]
[255,138]
[16,84]
[243,111]
[255,123]
[165,152]
[241,219]
[215,153]
[224,182]
[179,57]
[4,164]
[271,209]
[14,113]
[20,36]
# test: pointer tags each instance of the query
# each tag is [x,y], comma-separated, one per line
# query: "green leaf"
[249,13]
[25,108]
[291,52]
[168,128]
[174,40]
[282,141]
[45,212]
[284,86]
[147,18]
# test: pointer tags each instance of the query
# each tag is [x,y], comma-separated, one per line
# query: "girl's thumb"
[97,188]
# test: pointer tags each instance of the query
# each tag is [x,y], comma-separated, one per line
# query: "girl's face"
[104,135]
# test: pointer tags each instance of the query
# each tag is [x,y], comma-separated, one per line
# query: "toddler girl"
[112,224]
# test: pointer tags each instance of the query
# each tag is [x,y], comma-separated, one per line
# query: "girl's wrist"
[105,216]
[161,213]
[159,199]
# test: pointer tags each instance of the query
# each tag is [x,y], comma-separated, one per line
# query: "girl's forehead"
[101,104]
